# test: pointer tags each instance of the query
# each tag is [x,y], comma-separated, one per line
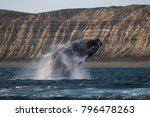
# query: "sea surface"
[101,83]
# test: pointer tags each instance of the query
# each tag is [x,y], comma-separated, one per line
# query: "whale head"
[83,49]
[92,45]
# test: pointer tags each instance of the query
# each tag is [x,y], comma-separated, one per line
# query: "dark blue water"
[102,83]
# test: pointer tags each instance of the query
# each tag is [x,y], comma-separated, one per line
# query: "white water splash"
[47,63]
[45,66]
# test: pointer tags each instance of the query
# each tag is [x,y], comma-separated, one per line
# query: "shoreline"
[98,64]
[118,64]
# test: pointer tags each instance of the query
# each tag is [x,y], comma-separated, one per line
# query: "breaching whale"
[65,59]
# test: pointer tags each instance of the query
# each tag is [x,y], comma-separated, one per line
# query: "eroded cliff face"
[125,32]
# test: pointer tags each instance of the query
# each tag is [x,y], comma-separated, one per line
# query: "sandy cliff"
[125,32]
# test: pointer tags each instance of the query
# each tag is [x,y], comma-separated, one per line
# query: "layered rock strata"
[125,32]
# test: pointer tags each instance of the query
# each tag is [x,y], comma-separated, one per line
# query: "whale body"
[68,57]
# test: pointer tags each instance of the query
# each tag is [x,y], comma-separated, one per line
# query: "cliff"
[125,32]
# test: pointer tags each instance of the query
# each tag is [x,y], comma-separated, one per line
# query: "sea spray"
[46,66]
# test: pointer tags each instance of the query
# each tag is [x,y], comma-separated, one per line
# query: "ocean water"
[101,83]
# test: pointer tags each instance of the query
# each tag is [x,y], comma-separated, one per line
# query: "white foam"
[47,62]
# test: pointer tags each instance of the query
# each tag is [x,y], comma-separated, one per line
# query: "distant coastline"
[118,64]
[98,64]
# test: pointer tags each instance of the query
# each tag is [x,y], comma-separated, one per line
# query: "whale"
[67,58]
